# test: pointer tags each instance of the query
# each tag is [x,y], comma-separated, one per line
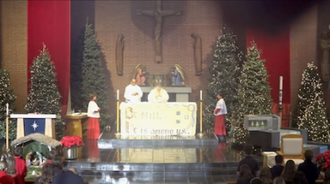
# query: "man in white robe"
[158,95]
[133,92]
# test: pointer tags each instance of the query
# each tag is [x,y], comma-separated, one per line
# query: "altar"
[172,118]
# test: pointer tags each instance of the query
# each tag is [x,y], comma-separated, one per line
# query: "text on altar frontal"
[158,119]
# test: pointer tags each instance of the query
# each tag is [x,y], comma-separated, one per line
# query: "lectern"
[35,123]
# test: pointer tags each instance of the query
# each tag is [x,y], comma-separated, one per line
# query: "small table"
[76,124]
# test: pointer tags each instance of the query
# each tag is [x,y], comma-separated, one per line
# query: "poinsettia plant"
[323,160]
[70,141]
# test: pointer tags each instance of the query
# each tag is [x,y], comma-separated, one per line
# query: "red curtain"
[275,49]
[49,23]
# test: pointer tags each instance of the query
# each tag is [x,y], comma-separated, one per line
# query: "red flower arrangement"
[70,141]
[323,160]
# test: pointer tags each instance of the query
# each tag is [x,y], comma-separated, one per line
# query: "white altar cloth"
[172,118]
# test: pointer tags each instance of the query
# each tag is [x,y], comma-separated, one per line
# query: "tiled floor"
[161,164]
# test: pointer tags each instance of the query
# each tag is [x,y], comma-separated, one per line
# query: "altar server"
[93,114]
[133,92]
[219,125]
[158,95]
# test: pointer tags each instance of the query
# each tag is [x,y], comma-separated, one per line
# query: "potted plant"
[70,145]
[323,160]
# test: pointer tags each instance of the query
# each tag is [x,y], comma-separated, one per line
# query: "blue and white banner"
[34,125]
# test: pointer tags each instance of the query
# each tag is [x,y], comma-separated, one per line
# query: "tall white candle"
[7,109]
[201,95]
[117,94]
[281,82]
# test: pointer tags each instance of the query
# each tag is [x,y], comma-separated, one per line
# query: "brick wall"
[13,47]
[303,39]
[119,17]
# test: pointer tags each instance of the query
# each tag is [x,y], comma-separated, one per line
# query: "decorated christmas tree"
[253,93]
[6,96]
[44,96]
[311,106]
[94,76]
[224,71]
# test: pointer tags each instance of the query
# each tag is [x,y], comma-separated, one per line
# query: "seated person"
[158,95]
[133,92]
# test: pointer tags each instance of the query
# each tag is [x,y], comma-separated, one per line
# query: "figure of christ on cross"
[158,14]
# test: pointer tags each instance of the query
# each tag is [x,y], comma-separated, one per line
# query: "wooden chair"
[292,148]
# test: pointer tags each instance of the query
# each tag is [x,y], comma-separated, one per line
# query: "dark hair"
[57,162]
[248,149]
[299,178]
[266,175]
[52,154]
[289,170]
[308,155]
[256,180]
[245,172]
[18,151]
[11,169]
[279,159]
[48,173]
[278,180]
[91,96]
[220,94]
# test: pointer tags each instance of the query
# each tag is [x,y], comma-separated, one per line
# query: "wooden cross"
[158,14]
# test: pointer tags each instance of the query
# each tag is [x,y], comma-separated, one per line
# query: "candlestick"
[7,109]
[281,82]
[117,94]
[201,95]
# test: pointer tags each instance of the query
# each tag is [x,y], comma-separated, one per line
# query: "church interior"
[288,34]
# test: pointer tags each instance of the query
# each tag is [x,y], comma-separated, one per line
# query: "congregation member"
[309,168]
[277,169]
[93,113]
[4,177]
[20,163]
[250,161]
[300,178]
[278,180]
[65,176]
[11,171]
[266,175]
[158,95]
[244,174]
[133,92]
[220,112]
[289,171]
[47,174]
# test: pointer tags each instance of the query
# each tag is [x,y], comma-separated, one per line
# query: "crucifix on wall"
[158,14]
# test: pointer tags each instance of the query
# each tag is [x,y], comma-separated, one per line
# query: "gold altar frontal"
[172,118]
[76,124]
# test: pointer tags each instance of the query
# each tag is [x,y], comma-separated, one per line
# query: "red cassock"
[93,128]
[219,124]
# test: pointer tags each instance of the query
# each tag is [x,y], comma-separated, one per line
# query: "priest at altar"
[133,92]
[158,95]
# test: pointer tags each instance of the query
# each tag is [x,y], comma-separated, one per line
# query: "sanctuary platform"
[163,159]
[157,159]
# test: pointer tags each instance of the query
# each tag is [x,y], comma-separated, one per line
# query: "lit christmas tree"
[44,96]
[93,75]
[253,94]
[311,106]
[6,96]
[224,71]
